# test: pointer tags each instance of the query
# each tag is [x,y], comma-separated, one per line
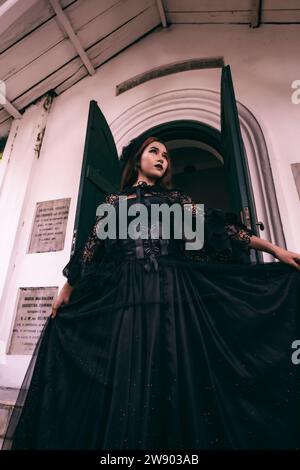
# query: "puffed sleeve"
[89,253]
[72,270]
[225,232]
[226,239]
[238,232]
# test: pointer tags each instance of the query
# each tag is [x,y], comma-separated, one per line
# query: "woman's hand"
[288,257]
[62,298]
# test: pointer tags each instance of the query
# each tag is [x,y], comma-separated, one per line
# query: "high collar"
[142,187]
[143,183]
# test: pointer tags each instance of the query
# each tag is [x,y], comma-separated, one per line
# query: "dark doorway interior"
[198,163]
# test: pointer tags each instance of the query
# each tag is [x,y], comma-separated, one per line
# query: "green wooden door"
[100,174]
[235,161]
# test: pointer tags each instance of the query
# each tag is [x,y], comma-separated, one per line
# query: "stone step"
[8,398]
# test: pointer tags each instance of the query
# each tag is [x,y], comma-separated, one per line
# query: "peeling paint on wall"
[2,146]
[41,127]
[39,140]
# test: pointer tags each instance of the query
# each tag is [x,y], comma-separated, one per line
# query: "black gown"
[164,348]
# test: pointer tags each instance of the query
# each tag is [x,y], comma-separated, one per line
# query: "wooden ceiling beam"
[255,15]
[162,13]
[66,25]
[10,108]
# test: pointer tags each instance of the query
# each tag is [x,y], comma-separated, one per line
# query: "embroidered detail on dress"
[226,235]
[240,234]
[91,251]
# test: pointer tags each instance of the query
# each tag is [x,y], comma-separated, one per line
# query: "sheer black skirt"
[192,356]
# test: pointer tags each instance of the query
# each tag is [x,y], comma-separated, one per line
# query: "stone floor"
[8,398]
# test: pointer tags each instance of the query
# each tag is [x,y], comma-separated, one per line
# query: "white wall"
[263,63]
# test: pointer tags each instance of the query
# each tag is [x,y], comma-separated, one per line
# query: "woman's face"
[154,160]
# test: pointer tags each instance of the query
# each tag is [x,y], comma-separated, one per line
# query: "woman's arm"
[239,232]
[90,252]
[281,254]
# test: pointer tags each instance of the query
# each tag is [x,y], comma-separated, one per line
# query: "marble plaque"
[49,226]
[33,308]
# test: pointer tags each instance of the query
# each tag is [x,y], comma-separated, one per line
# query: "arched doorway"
[198,163]
[194,114]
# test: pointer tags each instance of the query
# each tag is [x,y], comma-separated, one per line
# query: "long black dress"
[162,348]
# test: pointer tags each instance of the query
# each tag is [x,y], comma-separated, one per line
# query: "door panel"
[235,161]
[100,174]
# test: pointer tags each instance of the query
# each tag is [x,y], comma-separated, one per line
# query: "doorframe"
[197,112]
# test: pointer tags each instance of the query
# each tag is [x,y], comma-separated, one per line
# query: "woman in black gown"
[151,346]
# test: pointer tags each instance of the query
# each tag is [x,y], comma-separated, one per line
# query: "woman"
[152,346]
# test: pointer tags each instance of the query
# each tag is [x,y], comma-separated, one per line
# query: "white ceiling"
[43,47]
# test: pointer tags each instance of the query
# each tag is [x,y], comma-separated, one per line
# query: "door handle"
[261,225]
[247,221]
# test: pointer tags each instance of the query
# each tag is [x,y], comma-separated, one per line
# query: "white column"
[20,157]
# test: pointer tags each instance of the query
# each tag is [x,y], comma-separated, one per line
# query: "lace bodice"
[226,238]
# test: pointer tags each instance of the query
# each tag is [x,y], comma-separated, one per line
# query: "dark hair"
[130,159]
